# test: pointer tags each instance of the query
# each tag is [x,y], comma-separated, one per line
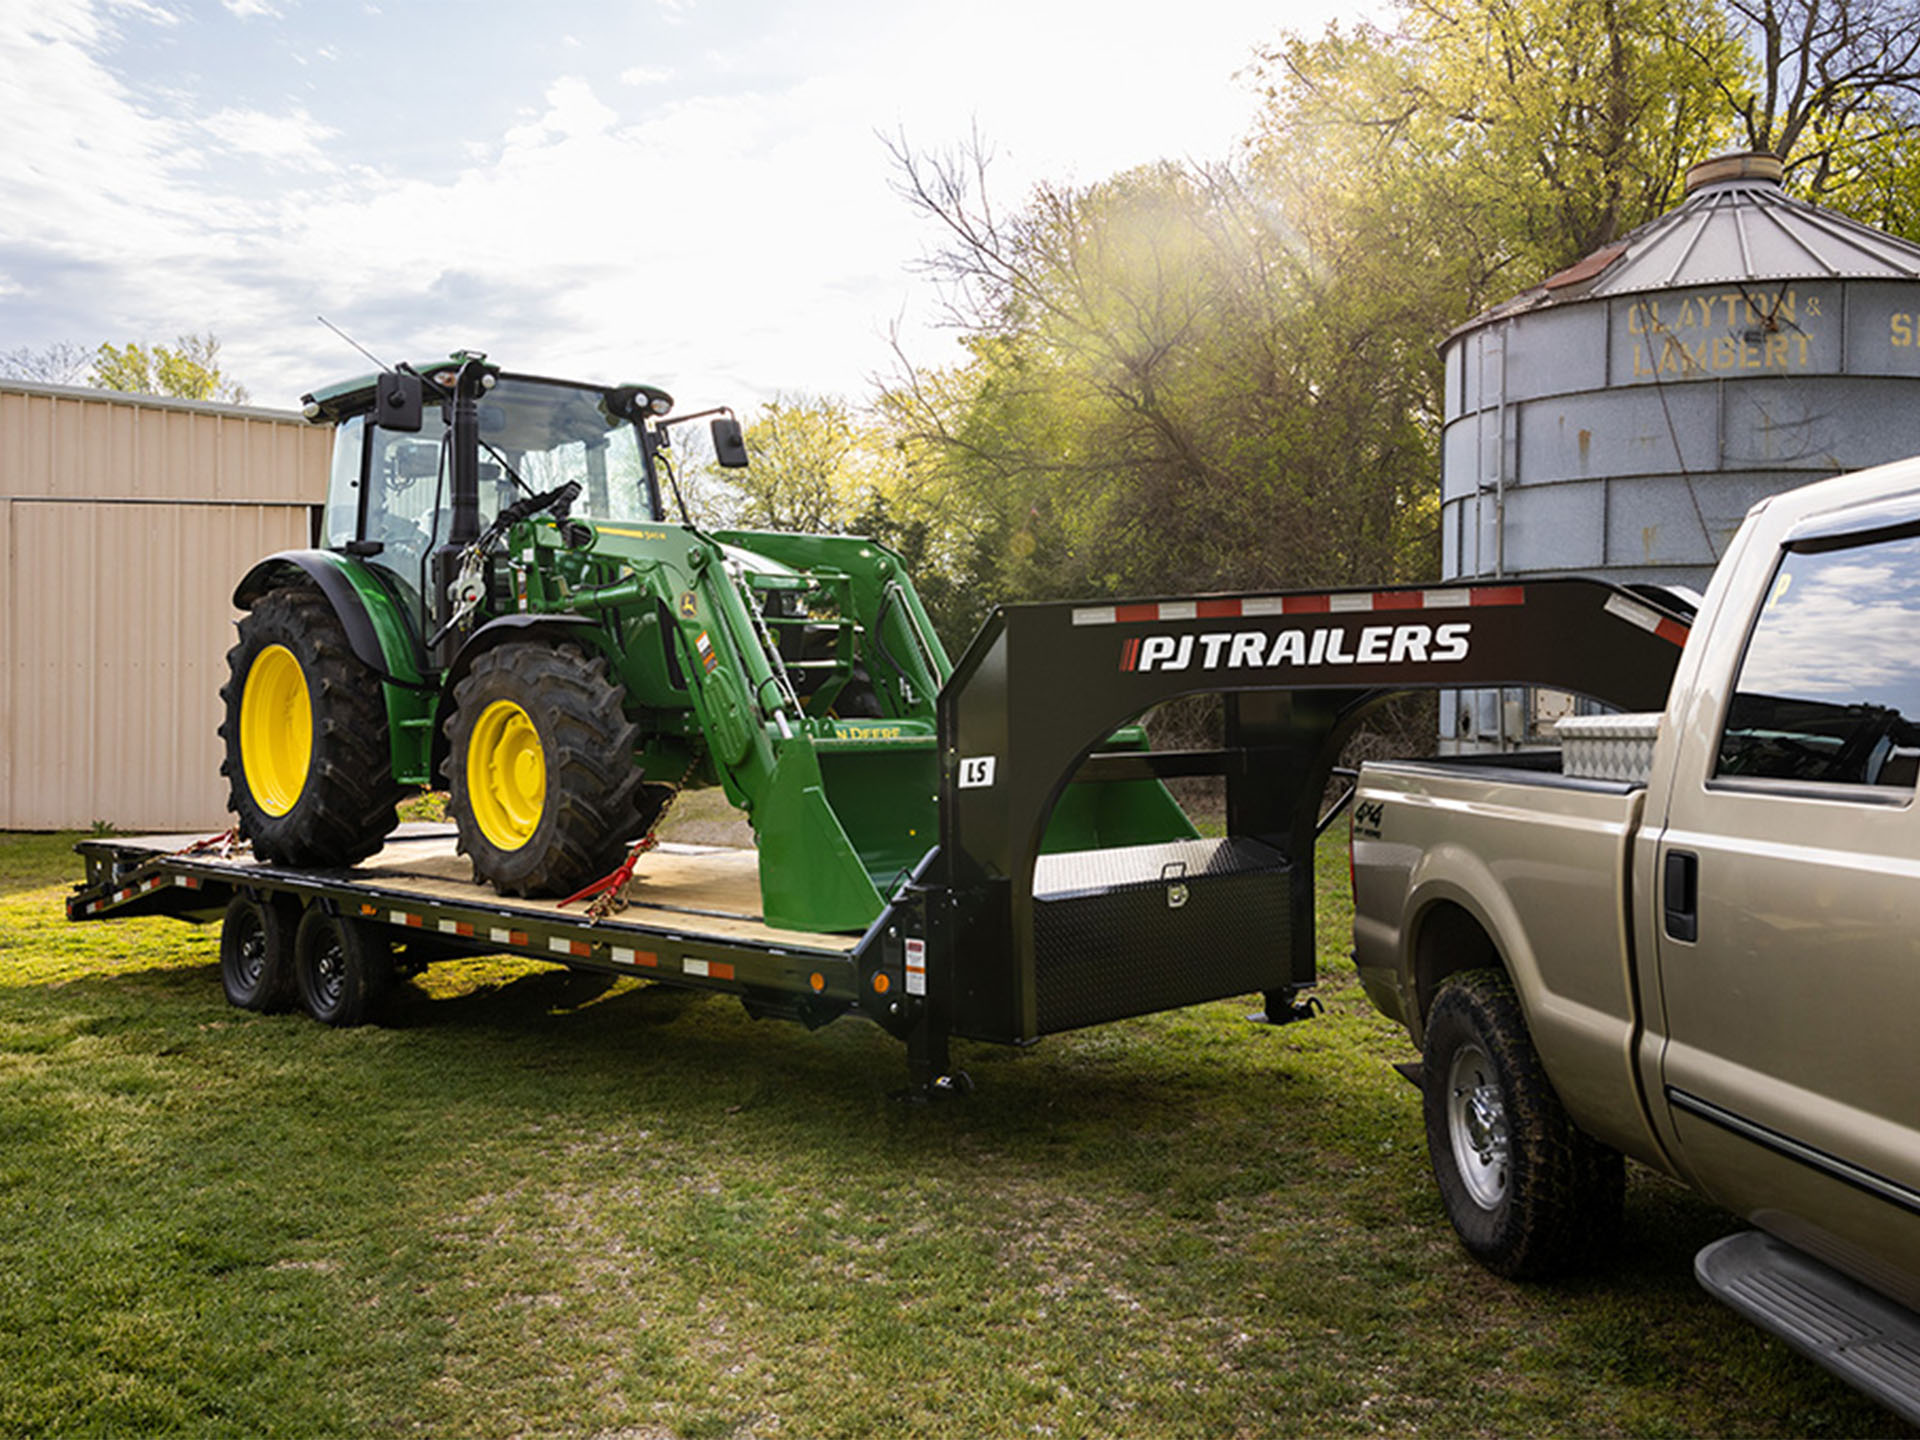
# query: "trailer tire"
[256,954]
[1530,1194]
[308,766]
[344,969]
[540,770]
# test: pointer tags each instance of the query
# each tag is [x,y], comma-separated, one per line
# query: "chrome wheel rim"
[1477,1127]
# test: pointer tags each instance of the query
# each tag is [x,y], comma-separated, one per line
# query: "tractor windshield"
[548,433]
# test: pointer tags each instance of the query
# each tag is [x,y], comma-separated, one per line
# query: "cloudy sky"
[694,192]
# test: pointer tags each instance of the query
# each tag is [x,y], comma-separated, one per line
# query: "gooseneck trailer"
[1051,883]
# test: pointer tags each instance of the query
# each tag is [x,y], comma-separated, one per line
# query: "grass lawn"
[545,1204]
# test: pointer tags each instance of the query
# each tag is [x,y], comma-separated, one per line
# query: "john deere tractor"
[502,602]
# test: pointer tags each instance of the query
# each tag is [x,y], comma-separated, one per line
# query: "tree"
[61,363]
[1150,356]
[189,369]
[814,467]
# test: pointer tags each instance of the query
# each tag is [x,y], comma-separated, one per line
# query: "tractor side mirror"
[729,445]
[396,401]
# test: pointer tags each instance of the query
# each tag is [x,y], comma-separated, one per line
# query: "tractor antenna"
[353,342]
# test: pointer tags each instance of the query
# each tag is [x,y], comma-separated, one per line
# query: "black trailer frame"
[989,939]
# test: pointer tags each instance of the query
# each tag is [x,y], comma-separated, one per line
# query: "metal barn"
[125,521]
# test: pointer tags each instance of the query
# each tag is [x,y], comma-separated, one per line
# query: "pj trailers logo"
[1375,635]
[1301,648]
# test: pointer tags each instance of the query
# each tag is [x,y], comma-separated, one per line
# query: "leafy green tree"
[189,370]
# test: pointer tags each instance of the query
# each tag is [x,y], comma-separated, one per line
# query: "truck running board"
[1864,1338]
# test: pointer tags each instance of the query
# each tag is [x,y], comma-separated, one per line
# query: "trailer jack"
[1285,1007]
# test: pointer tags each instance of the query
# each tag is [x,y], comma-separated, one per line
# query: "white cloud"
[293,139]
[249,9]
[730,235]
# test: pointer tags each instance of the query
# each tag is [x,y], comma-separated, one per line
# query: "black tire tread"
[1564,1201]
[275,988]
[349,805]
[367,965]
[594,795]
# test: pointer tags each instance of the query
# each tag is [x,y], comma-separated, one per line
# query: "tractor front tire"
[540,772]
[308,766]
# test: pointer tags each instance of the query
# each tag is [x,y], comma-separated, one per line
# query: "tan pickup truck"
[1705,956]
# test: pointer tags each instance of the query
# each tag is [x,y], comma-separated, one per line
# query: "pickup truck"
[1707,959]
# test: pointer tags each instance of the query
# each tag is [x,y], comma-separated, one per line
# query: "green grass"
[545,1204]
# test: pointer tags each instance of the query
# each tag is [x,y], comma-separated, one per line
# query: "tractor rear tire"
[540,772]
[308,766]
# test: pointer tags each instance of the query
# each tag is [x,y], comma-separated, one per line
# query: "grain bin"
[1620,418]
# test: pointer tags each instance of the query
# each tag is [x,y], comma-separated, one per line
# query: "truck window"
[1829,688]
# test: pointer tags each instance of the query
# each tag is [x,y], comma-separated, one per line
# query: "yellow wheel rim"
[506,775]
[276,730]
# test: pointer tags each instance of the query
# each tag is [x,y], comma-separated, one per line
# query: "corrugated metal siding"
[124,525]
[87,444]
[113,687]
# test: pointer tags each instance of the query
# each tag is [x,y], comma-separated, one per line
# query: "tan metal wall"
[125,523]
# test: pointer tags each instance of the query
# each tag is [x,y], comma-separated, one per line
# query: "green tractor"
[502,602]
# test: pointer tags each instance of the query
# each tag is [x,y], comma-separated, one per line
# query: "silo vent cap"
[1749,165]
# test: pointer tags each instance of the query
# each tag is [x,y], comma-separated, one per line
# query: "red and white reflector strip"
[1647,618]
[578,949]
[623,956]
[1341,602]
[710,969]
[456,927]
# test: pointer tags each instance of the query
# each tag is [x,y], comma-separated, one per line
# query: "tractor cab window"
[408,506]
[548,434]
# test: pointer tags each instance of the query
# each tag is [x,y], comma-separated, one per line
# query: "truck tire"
[343,968]
[308,768]
[540,774]
[1529,1193]
[256,954]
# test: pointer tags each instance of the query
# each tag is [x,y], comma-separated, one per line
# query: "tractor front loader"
[502,603]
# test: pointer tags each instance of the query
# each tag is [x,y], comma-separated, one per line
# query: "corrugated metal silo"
[1621,418]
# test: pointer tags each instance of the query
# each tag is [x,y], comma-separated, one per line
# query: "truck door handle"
[1682,899]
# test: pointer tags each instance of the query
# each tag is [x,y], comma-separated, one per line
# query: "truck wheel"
[256,954]
[308,768]
[540,772]
[344,969]
[1529,1193]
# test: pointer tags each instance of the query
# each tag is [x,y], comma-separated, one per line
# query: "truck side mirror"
[729,445]
[396,401]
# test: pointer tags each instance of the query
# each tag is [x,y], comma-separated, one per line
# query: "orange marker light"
[881,984]
[817,981]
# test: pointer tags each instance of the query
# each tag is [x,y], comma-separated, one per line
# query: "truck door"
[1787,909]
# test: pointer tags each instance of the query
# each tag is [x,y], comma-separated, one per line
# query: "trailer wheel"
[344,968]
[256,954]
[540,772]
[308,766]
[1528,1192]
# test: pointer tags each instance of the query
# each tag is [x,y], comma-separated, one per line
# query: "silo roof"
[1735,225]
